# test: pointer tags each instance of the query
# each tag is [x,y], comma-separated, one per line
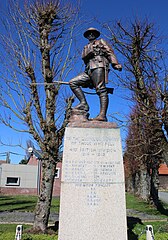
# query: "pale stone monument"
[92,203]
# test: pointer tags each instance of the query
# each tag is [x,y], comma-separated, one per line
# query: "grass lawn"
[7,232]
[24,203]
[133,202]
[136,228]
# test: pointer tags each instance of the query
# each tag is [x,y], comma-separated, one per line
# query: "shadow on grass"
[6,198]
[22,203]
[162,209]
[11,204]
[131,223]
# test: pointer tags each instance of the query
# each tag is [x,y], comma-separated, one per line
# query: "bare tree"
[142,157]
[36,46]
[144,77]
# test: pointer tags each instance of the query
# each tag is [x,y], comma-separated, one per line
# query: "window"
[13,181]
[57,173]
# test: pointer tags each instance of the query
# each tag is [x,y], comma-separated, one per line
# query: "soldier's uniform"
[96,55]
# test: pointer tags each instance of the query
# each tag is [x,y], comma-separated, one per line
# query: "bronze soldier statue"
[97,55]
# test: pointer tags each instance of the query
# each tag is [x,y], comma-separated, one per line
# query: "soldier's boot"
[103,108]
[80,95]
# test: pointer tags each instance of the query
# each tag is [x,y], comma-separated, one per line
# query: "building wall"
[18,179]
[26,174]
[163,177]
[18,191]
[23,179]
[163,182]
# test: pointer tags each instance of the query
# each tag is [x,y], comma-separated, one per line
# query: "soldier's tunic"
[96,55]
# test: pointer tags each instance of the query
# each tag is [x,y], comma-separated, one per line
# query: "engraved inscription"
[93,198]
[92,160]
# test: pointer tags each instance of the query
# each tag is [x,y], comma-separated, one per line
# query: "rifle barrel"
[109,90]
[55,82]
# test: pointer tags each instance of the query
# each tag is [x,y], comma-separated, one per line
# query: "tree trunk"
[44,200]
[130,183]
[142,185]
[154,187]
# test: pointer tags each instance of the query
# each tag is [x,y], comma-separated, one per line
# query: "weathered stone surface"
[92,190]
[79,123]
[78,116]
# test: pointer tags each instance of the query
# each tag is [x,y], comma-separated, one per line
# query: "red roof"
[32,160]
[2,161]
[163,170]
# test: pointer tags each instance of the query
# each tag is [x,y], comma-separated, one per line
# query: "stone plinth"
[92,190]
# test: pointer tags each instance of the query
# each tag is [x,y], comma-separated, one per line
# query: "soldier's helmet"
[87,32]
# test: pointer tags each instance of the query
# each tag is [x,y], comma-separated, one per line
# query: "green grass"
[24,203]
[158,236]
[133,202]
[7,232]
[159,227]
[137,231]
[10,227]
[11,236]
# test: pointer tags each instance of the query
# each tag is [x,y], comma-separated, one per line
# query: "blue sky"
[107,10]
[111,10]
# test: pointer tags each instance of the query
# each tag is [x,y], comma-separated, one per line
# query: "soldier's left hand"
[117,67]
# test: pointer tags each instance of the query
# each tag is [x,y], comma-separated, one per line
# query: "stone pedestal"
[92,203]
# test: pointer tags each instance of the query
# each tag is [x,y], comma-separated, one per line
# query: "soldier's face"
[91,36]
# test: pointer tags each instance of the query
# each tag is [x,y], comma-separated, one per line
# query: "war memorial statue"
[96,184]
[97,55]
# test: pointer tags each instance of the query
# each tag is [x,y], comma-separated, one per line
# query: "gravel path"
[28,217]
[23,217]
[163,196]
[143,216]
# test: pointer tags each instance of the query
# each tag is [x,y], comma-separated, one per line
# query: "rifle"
[109,90]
